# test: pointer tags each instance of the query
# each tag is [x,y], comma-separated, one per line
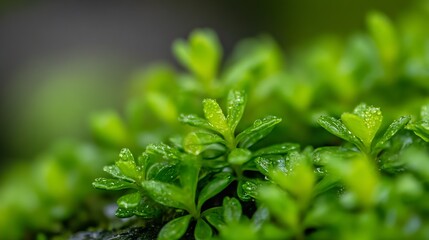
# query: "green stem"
[237,171]
[194,211]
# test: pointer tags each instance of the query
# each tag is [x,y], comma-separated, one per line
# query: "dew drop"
[257,123]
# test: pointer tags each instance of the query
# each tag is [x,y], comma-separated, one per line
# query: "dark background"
[62,60]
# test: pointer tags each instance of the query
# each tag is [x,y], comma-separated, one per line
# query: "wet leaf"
[163,171]
[268,164]
[124,212]
[278,149]
[239,156]
[175,228]
[236,103]
[215,116]
[337,128]
[147,209]
[166,194]
[196,142]
[162,149]
[195,121]
[129,201]
[116,172]
[364,123]
[215,186]
[111,184]
[257,131]
[189,172]
[421,129]
[393,128]
[128,168]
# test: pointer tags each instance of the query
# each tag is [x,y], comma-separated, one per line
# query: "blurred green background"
[60,61]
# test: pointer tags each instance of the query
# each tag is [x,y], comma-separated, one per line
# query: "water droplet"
[257,123]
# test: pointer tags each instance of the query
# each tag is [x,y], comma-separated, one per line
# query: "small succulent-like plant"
[225,181]
[361,126]
[184,176]
[173,183]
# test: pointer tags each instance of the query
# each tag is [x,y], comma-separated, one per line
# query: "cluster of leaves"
[375,182]
[44,195]
[361,188]
[348,191]
[193,170]
[331,76]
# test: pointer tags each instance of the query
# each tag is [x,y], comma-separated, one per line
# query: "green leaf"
[129,201]
[215,217]
[363,123]
[166,194]
[196,142]
[278,149]
[163,171]
[126,155]
[201,54]
[124,212]
[116,172]
[385,37]
[417,160]
[175,228]
[147,209]
[239,156]
[393,128]
[337,128]
[424,112]
[128,169]
[189,172]
[202,230]
[421,129]
[261,216]
[195,121]
[109,128]
[360,176]
[215,186]
[111,184]
[301,173]
[236,103]
[215,116]
[242,230]
[250,188]
[162,106]
[281,205]
[231,210]
[143,162]
[322,155]
[268,164]
[162,149]
[326,183]
[257,131]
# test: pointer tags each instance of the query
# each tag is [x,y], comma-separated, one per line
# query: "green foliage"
[229,169]
[225,177]
[188,190]
[295,187]
[361,126]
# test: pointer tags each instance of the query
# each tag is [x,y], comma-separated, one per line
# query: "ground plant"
[331,143]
